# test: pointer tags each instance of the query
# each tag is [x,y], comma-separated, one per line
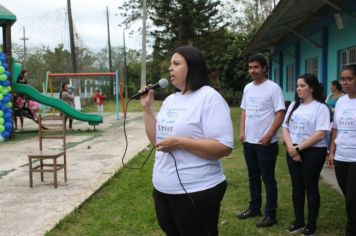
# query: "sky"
[46,24]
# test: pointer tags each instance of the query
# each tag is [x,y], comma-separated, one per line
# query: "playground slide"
[56,103]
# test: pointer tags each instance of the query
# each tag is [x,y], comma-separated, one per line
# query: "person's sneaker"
[248,214]
[266,222]
[295,227]
[309,230]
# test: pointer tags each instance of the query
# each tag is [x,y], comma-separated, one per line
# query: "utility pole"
[71,38]
[109,51]
[143,56]
[125,70]
[24,47]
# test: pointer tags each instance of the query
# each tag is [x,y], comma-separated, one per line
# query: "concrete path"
[92,158]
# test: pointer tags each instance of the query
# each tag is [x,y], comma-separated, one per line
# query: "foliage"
[248,15]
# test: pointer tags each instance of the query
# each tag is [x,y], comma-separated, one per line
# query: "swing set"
[118,86]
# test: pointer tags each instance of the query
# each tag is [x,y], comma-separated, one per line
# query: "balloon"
[5,134]
[1,96]
[1,113]
[7,115]
[2,139]
[3,77]
[7,73]
[5,65]
[1,121]
[2,69]
[2,128]
[9,105]
[8,126]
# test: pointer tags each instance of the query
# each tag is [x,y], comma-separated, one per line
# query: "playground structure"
[9,72]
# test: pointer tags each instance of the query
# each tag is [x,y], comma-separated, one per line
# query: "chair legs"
[30,171]
[54,167]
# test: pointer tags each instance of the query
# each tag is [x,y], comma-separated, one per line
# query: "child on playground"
[99,98]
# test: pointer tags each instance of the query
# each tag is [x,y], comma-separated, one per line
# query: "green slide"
[56,103]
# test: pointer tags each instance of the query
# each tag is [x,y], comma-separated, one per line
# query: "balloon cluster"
[5,100]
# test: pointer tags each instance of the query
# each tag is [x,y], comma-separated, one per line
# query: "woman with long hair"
[304,133]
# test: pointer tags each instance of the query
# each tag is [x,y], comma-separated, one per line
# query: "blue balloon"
[5,83]
[5,100]
[7,116]
[5,65]
[9,112]
[5,134]
[7,73]
[8,126]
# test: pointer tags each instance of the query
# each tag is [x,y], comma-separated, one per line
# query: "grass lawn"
[124,206]
[110,106]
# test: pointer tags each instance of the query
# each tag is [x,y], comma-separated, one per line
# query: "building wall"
[337,39]
[340,39]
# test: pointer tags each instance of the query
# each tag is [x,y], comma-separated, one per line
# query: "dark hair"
[197,75]
[317,93]
[21,75]
[351,67]
[62,88]
[337,84]
[259,58]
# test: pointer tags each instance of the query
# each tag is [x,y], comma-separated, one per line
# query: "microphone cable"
[190,197]
[127,144]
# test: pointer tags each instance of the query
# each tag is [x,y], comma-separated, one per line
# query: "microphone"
[162,83]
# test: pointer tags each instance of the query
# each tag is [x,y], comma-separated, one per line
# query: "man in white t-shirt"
[262,114]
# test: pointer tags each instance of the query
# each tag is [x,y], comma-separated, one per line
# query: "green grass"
[124,206]
[110,106]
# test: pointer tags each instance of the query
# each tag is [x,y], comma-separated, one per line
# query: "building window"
[347,57]
[312,66]
[277,77]
[291,78]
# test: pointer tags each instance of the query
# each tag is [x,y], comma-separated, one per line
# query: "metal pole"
[110,54]
[143,56]
[117,91]
[24,47]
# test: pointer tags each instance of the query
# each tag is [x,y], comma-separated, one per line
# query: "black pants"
[177,215]
[261,163]
[305,179]
[346,178]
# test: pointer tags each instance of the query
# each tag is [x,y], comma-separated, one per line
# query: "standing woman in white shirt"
[304,133]
[191,133]
[342,152]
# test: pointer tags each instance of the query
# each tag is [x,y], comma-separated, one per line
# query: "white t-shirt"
[260,103]
[203,114]
[345,123]
[307,119]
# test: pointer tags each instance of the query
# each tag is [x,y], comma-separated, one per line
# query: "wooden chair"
[55,128]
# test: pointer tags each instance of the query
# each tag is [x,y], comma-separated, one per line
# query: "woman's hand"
[146,100]
[330,159]
[168,144]
[297,158]
[291,150]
